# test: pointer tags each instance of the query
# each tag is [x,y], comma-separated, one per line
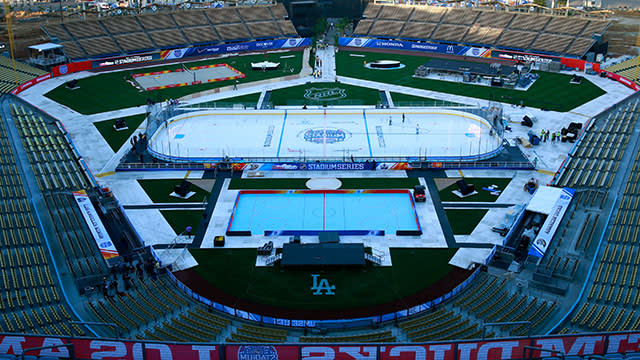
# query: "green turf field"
[479,183]
[325,93]
[551,91]
[180,219]
[347,183]
[159,189]
[110,91]
[400,99]
[234,271]
[463,221]
[114,138]
[249,99]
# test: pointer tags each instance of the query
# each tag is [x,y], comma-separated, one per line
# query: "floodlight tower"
[635,77]
[7,15]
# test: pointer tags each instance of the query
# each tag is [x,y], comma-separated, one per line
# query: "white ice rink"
[317,134]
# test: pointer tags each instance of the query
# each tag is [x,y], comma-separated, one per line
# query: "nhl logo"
[257,352]
[325,94]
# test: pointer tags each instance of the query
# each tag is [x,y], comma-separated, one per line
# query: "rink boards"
[211,135]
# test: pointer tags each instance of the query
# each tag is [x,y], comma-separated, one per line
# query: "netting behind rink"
[158,114]
[493,114]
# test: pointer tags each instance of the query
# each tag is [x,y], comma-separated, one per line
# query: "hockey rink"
[211,135]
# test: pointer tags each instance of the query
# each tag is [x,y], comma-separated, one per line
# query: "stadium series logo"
[257,352]
[325,136]
[325,94]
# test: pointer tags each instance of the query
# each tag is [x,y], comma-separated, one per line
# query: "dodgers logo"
[177,52]
[292,42]
[358,42]
[475,51]
[325,94]
[325,136]
[257,352]
[323,285]
[63,69]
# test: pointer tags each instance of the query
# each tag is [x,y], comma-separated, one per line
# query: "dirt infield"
[201,286]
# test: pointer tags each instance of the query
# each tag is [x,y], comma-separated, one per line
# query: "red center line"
[324,209]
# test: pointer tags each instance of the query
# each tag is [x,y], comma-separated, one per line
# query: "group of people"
[545,134]
[124,272]
[403,120]
[317,69]
[172,102]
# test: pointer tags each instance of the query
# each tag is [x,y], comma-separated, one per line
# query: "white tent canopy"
[45,47]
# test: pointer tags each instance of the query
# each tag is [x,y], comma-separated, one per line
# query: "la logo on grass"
[320,285]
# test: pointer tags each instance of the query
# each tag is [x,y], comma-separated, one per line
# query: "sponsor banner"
[316,166]
[234,48]
[622,80]
[30,83]
[125,60]
[106,349]
[570,345]
[260,352]
[543,240]
[400,45]
[521,56]
[325,352]
[415,46]
[100,235]
[71,68]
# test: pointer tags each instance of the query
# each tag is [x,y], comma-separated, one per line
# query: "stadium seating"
[113,35]
[30,298]
[628,69]
[594,162]
[81,253]
[382,336]
[133,41]
[613,295]
[23,73]
[562,35]
[252,333]
[489,299]
[53,163]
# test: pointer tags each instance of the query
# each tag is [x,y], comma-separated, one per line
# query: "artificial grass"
[180,219]
[463,221]
[159,189]
[400,99]
[114,138]
[110,91]
[234,272]
[479,183]
[300,183]
[551,91]
[354,95]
